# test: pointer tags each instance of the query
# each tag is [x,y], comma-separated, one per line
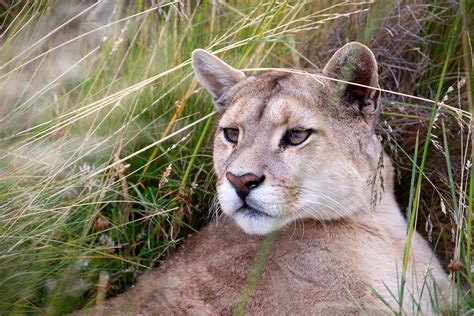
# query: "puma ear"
[215,75]
[355,62]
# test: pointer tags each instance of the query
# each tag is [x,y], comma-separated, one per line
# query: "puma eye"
[295,137]
[231,135]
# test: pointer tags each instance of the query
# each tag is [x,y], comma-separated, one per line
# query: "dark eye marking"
[295,136]
[231,135]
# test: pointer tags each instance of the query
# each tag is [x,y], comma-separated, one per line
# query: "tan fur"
[334,242]
[305,272]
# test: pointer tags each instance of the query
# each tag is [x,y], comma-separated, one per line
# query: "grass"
[105,156]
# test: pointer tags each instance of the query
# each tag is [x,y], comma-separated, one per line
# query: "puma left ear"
[355,62]
[215,75]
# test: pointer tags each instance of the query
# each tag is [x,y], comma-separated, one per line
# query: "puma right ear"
[215,75]
[355,62]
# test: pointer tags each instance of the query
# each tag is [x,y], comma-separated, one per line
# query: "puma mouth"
[250,211]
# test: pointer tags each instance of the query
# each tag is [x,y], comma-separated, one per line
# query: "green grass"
[106,165]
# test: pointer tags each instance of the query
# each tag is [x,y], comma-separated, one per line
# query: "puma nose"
[244,183]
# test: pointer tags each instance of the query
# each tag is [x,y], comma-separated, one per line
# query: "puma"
[311,223]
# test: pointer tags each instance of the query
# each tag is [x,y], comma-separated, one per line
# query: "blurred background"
[105,136]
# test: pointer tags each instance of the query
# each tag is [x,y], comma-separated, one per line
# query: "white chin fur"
[257,225]
[251,224]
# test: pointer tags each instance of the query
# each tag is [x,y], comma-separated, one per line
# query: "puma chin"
[254,215]
[291,146]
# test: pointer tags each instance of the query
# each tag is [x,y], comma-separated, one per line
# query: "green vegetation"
[105,137]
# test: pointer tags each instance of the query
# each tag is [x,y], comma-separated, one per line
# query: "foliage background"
[105,156]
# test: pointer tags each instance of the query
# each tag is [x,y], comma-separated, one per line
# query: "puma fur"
[308,204]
